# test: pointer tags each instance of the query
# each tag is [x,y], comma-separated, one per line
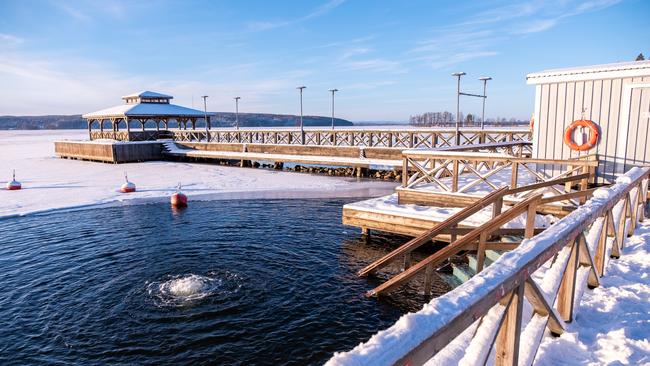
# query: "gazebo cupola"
[143,107]
[147,97]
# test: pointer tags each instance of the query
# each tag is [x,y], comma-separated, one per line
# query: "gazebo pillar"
[90,135]
[193,120]
[101,125]
[142,122]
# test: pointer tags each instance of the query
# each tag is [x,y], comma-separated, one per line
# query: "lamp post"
[237,112]
[333,91]
[458,75]
[302,129]
[484,79]
[205,117]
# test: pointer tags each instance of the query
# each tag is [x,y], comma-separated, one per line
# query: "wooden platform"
[109,151]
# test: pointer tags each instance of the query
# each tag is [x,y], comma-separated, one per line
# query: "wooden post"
[567,185]
[454,177]
[529,232]
[90,135]
[428,279]
[497,207]
[601,248]
[407,260]
[566,293]
[584,184]
[621,234]
[514,175]
[480,252]
[405,171]
[507,342]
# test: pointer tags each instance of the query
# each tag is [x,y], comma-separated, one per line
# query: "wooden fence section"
[444,178]
[406,138]
[489,307]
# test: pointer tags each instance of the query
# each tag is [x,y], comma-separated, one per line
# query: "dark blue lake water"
[222,282]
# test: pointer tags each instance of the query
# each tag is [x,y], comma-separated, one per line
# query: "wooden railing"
[147,135]
[446,178]
[488,310]
[406,138]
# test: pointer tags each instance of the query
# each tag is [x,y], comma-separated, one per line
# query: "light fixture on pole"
[302,129]
[333,91]
[484,79]
[205,117]
[237,112]
[457,137]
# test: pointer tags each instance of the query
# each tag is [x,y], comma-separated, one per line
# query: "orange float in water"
[14,185]
[179,199]
[127,187]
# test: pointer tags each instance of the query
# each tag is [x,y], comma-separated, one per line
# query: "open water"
[221,282]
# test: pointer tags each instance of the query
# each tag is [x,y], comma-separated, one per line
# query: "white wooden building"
[616,97]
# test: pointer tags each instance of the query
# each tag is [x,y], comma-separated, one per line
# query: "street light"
[333,91]
[302,129]
[484,79]
[458,75]
[205,117]
[237,112]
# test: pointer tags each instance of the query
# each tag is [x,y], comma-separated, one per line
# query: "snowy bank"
[53,183]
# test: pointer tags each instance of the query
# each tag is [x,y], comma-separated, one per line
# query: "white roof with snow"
[148,94]
[147,109]
[604,71]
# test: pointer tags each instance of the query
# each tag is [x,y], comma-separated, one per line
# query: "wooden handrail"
[453,220]
[455,247]
[549,183]
[491,157]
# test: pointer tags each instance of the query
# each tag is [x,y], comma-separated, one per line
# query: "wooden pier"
[547,270]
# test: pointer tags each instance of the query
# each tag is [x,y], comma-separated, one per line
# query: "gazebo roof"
[146,109]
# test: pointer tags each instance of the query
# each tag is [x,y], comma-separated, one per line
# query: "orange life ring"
[593,135]
[532,123]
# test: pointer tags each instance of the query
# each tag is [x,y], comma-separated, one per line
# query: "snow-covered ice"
[53,183]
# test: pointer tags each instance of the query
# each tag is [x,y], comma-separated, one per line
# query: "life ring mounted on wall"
[593,135]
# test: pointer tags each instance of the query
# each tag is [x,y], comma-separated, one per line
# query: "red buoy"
[179,199]
[14,185]
[127,187]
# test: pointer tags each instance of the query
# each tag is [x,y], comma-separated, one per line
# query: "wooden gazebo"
[143,107]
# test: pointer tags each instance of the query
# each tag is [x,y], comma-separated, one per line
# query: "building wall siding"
[602,99]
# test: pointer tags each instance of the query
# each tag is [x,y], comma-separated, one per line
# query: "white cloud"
[319,11]
[10,40]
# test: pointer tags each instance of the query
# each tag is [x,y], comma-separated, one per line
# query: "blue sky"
[390,59]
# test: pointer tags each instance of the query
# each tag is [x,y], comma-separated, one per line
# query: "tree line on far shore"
[430,119]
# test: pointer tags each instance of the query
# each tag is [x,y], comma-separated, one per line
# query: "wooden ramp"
[484,237]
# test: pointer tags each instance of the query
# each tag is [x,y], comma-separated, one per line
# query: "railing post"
[567,185]
[480,251]
[428,279]
[599,256]
[514,175]
[584,184]
[405,171]
[454,177]
[507,341]
[531,214]
[566,293]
